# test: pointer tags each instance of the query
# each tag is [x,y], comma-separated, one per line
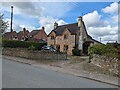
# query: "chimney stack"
[43,28]
[55,25]
[79,21]
[24,29]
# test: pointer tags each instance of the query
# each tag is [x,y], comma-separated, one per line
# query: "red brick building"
[11,35]
[25,35]
[37,35]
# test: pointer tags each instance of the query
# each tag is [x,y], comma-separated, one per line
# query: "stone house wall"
[59,40]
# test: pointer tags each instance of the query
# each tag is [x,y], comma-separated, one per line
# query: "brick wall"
[39,55]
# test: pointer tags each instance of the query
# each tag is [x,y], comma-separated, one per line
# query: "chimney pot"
[43,28]
[55,25]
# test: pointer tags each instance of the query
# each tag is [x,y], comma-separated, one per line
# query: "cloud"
[113,8]
[105,28]
[29,28]
[106,33]
[38,9]
[103,31]
[48,23]
[55,9]
[23,8]
[16,27]
[93,19]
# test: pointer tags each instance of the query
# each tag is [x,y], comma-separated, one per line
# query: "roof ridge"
[67,24]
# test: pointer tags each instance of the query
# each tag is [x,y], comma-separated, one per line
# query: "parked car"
[48,48]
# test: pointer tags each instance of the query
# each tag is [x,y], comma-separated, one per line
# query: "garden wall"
[37,55]
[107,63]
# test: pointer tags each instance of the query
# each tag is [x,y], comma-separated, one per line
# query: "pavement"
[59,70]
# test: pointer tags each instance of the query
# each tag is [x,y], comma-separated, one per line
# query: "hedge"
[22,44]
[106,50]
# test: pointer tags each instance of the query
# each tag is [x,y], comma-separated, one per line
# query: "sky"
[101,18]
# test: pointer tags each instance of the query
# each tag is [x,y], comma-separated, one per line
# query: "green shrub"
[106,50]
[77,52]
[31,47]
[21,44]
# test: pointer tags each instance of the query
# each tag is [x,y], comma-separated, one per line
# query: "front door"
[85,48]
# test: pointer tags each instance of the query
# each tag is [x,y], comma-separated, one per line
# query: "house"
[67,37]
[114,44]
[10,35]
[37,35]
[22,35]
[25,35]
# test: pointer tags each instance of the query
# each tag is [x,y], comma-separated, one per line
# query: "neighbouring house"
[114,44]
[11,35]
[38,35]
[67,37]
[25,35]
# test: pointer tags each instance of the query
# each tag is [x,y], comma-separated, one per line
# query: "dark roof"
[9,34]
[71,27]
[34,32]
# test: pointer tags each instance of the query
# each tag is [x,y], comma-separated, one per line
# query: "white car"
[49,48]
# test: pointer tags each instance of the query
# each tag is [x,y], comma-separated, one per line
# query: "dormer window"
[65,36]
[52,37]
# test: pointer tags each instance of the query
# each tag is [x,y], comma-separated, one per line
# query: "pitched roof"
[9,34]
[34,32]
[71,27]
[21,34]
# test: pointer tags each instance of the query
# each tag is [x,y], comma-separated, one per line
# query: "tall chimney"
[11,18]
[79,21]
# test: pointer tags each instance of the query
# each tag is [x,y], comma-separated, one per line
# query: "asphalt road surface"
[18,75]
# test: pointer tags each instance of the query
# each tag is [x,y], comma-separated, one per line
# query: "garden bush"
[106,50]
[21,44]
[76,52]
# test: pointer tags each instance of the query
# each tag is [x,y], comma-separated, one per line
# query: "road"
[18,75]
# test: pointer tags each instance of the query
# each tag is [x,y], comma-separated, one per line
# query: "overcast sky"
[101,19]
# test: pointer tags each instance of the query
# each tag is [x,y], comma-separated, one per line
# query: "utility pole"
[100,39]
[11,19]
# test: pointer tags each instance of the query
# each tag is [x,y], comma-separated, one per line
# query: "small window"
[58,48]
[65,36]
[52,37]
[65,47]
